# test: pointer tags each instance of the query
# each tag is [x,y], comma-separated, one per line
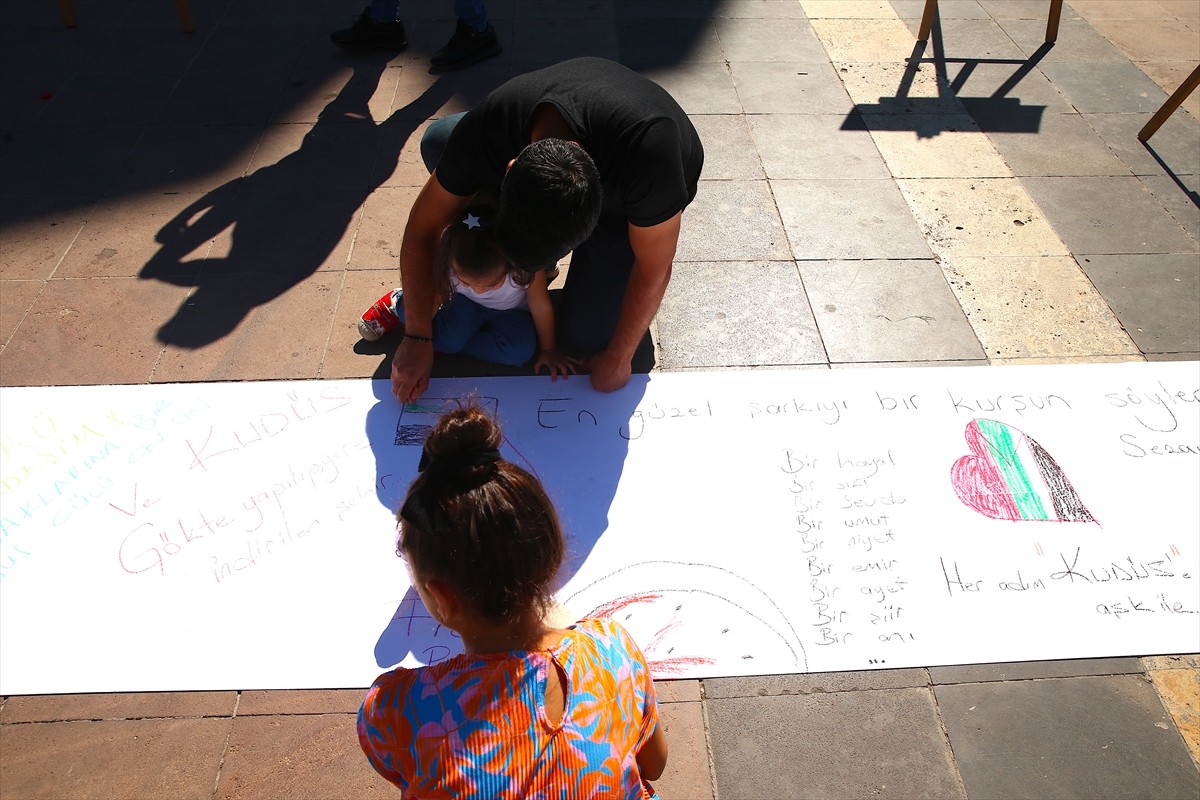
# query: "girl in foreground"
[528,710]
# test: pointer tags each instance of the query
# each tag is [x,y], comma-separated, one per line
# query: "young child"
[488,309]
[528,710]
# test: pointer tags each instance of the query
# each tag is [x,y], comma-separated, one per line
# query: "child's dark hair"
[549,203]
[481,524]
[469,246]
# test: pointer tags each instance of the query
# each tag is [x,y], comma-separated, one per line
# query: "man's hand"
[610,371]
[410,369]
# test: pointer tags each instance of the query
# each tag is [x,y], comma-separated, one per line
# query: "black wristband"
[417,338]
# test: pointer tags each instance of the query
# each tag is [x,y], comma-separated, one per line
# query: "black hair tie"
[425,512]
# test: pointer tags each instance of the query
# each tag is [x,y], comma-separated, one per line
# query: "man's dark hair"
[549,203]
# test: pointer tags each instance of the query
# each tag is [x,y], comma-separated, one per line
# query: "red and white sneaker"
[381,317]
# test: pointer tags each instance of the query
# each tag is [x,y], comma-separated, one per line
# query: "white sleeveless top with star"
[506,296]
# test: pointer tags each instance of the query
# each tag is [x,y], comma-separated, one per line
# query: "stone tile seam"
[237,701]
[333,318]
[708,744]
[949,745]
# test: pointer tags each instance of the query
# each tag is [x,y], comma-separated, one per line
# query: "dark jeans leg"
[433,141]
[595,289]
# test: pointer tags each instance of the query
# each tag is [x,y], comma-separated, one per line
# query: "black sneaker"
[466,46]
[367,34]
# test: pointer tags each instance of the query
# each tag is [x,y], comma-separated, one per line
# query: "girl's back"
[479,725]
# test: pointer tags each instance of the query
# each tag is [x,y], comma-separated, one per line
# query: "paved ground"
[221,205]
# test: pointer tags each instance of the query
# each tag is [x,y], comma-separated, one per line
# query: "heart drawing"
[1010,476]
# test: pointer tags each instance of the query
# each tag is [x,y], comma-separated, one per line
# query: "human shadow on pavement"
[285,219]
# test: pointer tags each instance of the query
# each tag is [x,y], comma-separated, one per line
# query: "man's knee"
[433,141]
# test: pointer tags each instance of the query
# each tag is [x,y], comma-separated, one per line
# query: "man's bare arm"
[654,252]
[431,212]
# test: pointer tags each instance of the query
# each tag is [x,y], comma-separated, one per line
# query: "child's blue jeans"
[471,12]
[464,326]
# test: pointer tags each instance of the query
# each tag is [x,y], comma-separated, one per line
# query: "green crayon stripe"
[999,438]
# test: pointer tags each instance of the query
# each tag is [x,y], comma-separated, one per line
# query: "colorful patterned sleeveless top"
[475,725]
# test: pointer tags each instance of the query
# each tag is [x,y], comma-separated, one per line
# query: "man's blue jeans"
[472,12]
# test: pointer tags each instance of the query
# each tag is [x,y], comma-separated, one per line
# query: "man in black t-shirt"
[585,156]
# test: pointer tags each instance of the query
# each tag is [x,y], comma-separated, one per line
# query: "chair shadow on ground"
[930,116]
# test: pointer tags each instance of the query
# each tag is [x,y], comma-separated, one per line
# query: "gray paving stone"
[708,318]
[16,298]
[1030,670]
[816,146]
[783,40]
[187,158]
[1018,9]
[68,165]
[1180,195]
[242,97]
[947,9]
[228,328]
[732,221]
[1174,143]
[63,321]
[176,758]
[679,40]
[749,9]
[1156,297]
[698,88]
[37,233]
[232,45]
[887,311]
[789,87]
[687,773]
[1109,88]
[1173,356]
[981,39]
[102,99]
[1095,737]
[660,9]
[319,754]
[1077,41]
[881,744]
[547,41]
[848,219]
[729,151]
[123,705]
[1107,215]
[978,86]
[909,364]
[1064,144]
[1144,40]
[814,683]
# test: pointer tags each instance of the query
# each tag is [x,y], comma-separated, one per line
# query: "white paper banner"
[241,535]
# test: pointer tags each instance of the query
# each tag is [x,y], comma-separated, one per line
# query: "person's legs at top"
[474,38]
[507,337]
[595,289]
[472,12]
[377,28]
[433,141]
